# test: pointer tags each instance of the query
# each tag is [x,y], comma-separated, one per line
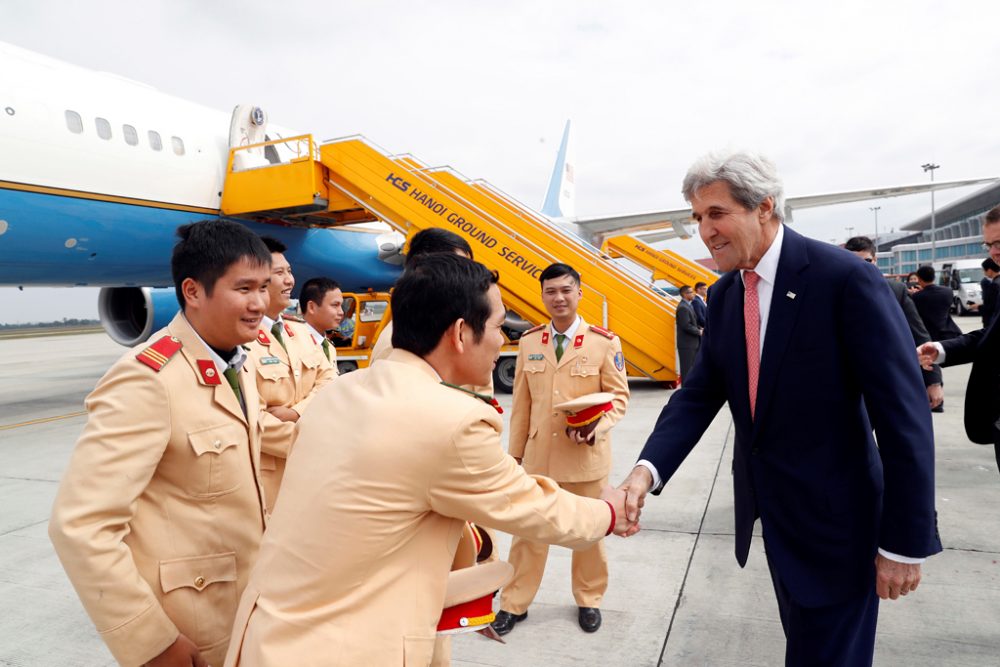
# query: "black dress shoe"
[505,621]
[590,619]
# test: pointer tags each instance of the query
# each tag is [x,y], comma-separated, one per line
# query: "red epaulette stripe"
[159,353]
[603,332]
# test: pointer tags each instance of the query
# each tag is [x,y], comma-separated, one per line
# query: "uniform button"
[555,391]
[553,435]
[199,582]
[217,444]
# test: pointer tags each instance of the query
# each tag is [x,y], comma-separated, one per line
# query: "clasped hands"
[628,500]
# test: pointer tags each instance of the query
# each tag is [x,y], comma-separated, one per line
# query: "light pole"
[875,210]
[930,166]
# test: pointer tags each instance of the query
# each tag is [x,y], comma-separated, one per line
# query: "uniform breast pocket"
[313,358]
[586,378]
[218,461]
[272,372]
[200,596]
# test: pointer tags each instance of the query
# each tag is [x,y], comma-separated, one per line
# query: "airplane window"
[178,144]
[103,128]
[131,136]
[154,141]
[74,122]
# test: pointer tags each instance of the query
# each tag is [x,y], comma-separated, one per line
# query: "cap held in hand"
[468,600]
[586,409]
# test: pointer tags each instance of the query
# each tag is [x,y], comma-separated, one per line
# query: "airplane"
[97,171]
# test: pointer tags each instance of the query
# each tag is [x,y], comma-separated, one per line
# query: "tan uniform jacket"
[354,565]
[289,378]
[589,364]
[159,515]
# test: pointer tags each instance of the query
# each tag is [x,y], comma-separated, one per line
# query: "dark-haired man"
[159,515]
[864,248]
[322,304]
[291,368]
[700,303]
[991,291]
[556,362]
[356,557]
[933,302]
[425,242]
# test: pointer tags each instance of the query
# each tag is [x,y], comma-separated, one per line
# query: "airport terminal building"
[958,231]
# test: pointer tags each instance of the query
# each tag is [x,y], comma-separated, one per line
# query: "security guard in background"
[562,360]
[160,514]
[291,367]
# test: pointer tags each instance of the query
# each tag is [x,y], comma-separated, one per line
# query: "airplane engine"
[131,314]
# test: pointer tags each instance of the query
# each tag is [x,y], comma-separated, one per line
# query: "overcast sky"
[842,97]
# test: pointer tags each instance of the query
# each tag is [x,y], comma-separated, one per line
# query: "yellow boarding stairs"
[665,264]
[350,180]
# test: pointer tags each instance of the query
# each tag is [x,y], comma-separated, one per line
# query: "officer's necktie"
[560,341]
[232,376]
[326,348]
[276,332]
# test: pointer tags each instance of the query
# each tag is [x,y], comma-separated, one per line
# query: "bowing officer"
[556,362]
[291,368]
[159,516]
[355,564]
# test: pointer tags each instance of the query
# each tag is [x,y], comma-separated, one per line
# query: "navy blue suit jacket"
[700,311]
[838,361]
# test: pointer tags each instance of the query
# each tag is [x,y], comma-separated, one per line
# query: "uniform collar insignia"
[482,397]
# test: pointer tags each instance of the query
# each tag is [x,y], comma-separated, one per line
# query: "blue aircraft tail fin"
[560,199]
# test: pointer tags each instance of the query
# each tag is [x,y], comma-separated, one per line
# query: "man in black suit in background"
[982,348]
[864,248]
[990,289]
[699,304]
[688,331]
[933,302]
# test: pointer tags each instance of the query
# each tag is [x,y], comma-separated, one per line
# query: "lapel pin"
[791,295]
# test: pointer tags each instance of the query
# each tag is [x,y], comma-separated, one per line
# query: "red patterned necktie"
[751,323]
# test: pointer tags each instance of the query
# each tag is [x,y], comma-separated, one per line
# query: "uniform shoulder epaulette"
[293,318]
[610,335]
[534,329]
[489,400]
[159,353]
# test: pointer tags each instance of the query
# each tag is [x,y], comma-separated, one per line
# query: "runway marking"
[43,420]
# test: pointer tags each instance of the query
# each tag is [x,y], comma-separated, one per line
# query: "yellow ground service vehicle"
[350,180]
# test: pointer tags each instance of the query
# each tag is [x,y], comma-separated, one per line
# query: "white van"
[962,276]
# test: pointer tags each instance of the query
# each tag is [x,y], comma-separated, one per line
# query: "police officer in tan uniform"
[159,516]
[557,362]
[354,567]
[291,368]
[322,304]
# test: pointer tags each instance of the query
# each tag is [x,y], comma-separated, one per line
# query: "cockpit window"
[74,122]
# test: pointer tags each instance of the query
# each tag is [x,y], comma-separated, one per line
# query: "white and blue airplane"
[97,172]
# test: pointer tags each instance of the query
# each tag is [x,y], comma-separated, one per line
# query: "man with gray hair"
[811,353]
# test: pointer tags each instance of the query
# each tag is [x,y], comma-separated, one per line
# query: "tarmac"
[676,594]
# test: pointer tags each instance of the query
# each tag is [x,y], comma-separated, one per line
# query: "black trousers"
[840,635]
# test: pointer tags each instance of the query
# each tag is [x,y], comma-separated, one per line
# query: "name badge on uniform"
[536,357]
[267,361]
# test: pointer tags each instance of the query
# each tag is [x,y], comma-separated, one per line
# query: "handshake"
[628,500]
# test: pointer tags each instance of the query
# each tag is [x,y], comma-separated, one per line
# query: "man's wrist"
[614,518]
